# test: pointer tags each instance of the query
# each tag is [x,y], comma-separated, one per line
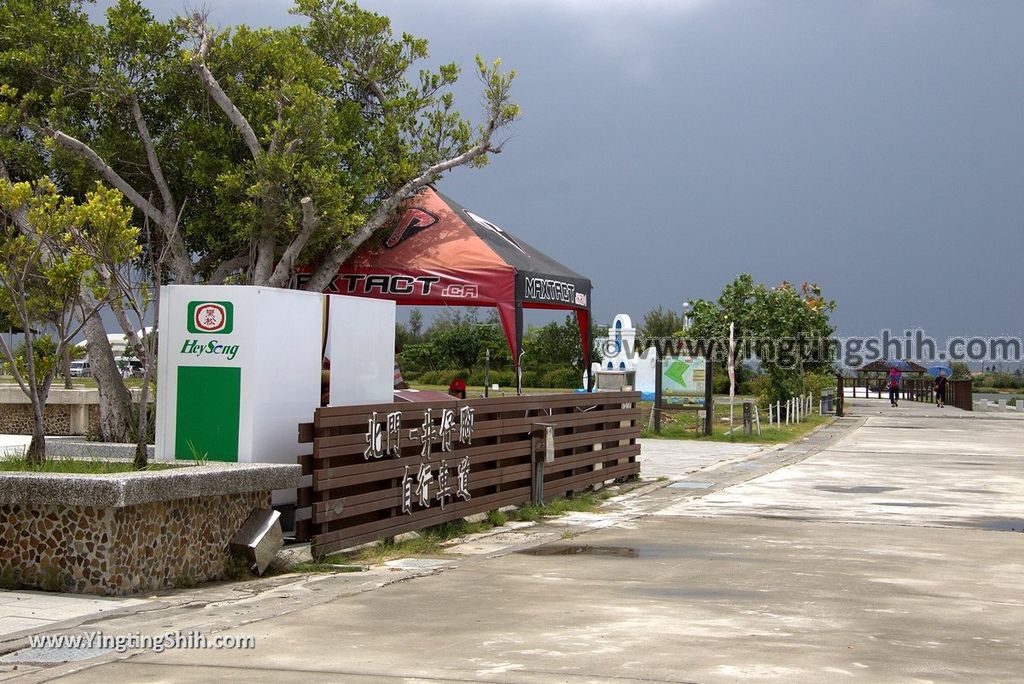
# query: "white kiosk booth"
[239,367]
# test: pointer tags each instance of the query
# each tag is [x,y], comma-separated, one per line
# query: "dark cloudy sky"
[876,147]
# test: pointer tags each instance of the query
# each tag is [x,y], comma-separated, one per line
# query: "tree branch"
[107,172]
[283,271]
[154,162]
[226,267]
[326,271]
[217,93]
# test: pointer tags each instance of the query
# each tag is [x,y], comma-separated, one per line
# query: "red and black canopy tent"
[438,253]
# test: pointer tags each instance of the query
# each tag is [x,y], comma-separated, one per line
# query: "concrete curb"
[120,490]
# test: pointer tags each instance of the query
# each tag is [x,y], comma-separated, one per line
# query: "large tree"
[251,151]
[786,328]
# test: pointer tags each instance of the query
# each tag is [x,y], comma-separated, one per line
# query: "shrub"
[440,377]
[815,383]
[505,378]
[565,377]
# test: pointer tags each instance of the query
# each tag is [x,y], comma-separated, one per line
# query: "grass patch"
[426,542]
[75,465]
[326,566]
[683,425]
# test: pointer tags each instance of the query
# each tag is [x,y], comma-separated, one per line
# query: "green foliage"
[497,518]
[183,581]
[74,465]
[44,352]
[459,339]
[999,380]
[814,383]
[660,323]
[554,344]
[504,378]
[464,345]
[961,371]
[50,245]
[684,427]
[787,329]
[237,568]
[330,107]
[565,377]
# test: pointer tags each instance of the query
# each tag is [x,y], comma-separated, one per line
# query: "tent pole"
[519,349]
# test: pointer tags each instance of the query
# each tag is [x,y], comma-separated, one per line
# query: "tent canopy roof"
[437,252]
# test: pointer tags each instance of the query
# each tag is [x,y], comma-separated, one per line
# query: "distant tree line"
[456,345]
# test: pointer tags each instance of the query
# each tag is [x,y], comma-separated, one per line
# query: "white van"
[79,369]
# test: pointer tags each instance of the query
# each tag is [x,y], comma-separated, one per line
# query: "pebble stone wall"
[118,551]
[16,419]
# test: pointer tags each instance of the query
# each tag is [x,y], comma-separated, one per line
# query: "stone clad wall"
[117,551]
[16,419]
[68,411]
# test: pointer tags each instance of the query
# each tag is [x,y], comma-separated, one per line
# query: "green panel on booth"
[209,406]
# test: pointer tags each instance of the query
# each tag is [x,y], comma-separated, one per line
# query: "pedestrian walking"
[894,386]
[940,390]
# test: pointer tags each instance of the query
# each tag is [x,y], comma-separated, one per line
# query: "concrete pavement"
[13,445]
[23,612]
[827,560]
[912,465]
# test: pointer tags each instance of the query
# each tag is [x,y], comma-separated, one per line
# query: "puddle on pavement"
[53,656]
[582,549]
[709,593]
[996,523]
[863,489]
[909,504]
[690,484]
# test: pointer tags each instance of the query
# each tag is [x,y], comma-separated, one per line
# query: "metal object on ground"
[542,442]
[259,539]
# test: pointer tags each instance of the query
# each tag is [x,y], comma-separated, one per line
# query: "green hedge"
[565,377]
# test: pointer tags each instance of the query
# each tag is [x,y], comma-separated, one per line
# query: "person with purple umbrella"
[894,385]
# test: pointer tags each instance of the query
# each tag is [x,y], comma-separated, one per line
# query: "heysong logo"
[207,318]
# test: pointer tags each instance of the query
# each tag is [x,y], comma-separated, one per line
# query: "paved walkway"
[912,465]
[870,551]
[31,611]
[675,459]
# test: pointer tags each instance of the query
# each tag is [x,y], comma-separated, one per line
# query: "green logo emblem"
[677,371]
[210,317]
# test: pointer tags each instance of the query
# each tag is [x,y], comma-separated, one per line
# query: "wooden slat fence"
[370,475]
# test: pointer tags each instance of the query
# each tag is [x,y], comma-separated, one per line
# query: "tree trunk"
[65,362]
[36,452]
[115,399]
